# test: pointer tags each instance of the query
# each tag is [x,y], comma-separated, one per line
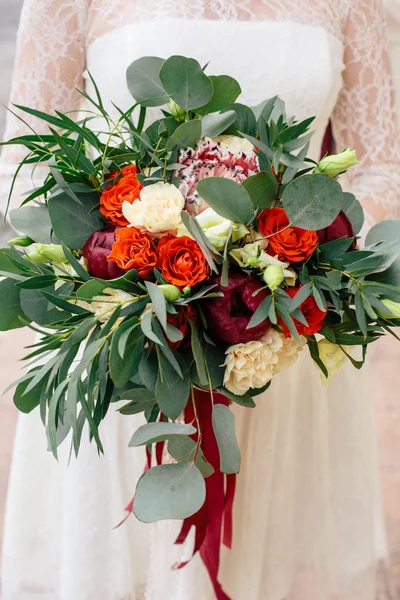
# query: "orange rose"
[181,261]
[181,322]
[134,250]
[289,243]
[127,189]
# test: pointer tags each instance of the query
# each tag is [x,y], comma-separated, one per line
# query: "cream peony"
[251,365]
[333,358]
[217,228]
[289,353]
[158,211]
[252,255]
[104,305]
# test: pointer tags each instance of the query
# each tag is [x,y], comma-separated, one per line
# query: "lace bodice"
[56,35]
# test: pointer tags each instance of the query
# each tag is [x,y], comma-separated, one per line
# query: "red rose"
[312,314]
[96,250]
[341,227]
[181,322]
[134,250]
[229,315]
[291,244]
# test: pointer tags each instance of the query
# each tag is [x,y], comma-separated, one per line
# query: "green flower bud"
[177,111]
[253,262]
[273,277]
[186,290]
[48,253]
[21,240]
[171,292]
[335,164]
[393,309]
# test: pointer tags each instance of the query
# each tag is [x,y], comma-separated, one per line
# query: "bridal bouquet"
[174,266]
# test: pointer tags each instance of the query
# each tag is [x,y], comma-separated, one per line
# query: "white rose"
[289,354]
[104,305]
[251,365]
[253,256]
[158,211]
[333,358]
[234,144]
[217,228]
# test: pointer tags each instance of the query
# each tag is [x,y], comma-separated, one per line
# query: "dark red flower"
[312,314]
[229,315]
[341,227]
[96,250]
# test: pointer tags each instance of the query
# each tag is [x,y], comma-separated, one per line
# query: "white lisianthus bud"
[44,253]
[333,358]
[217,228]
[254,256]
[177,111]
[104,305]
[22,240]
[335,164]
[171,292]
[273,277]
[393,309]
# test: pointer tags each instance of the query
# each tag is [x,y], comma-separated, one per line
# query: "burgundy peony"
[95,252]
[230,314]
[341,227]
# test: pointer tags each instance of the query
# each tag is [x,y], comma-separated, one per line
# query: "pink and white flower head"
[224,156]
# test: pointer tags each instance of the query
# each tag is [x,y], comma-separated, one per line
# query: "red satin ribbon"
[215,515]
[216,512]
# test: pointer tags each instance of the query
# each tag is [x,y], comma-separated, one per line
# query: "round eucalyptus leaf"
[226,92]
[157,432]
[386,231]
[185,82]
[169,492]
[143,79]
[74,223]
[227,198]
[33,221]
[312,201]
[262,189]
[186,135]
[224,429]
[214,124]
[354,211]
[10,304]
[245,120]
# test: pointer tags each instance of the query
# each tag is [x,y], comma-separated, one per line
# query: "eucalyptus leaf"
[11,311]
[74,223]
[385,231]
[158,432]
[245,120]
[123,369]
[186,135]
[224,429]
[33,221]
[169,492]
[225,92]
[172,391]
[143,79]
[262,189]
[354,211]
[312,201]
[185,82]
[227,198]
[214,124]
[184,449]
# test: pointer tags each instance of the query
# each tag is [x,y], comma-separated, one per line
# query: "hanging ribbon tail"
[216,512]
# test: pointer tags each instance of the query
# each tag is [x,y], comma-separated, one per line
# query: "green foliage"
[185,82]
[224,429]
[11,313]
[73,223]
[227,198]
[143,78]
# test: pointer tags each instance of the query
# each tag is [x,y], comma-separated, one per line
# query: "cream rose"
[217,228]
[254,256]
[251,365]
[333,358]
[158,211]
[104,305]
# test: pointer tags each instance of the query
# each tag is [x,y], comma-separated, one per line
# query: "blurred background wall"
[385,356]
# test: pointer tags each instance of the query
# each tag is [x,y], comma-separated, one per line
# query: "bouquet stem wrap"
[213,522]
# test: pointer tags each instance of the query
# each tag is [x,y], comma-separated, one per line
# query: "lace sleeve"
[365,116]
[49,66]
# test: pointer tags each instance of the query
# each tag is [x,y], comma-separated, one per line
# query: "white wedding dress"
[307,520]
